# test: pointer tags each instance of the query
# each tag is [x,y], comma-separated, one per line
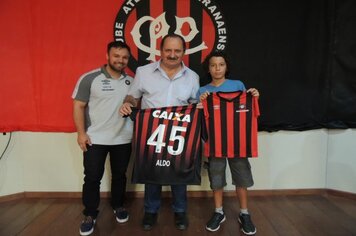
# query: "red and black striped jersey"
[167,145]
[231,124]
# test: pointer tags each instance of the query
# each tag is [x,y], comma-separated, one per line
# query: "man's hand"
[125,109]
[83,140]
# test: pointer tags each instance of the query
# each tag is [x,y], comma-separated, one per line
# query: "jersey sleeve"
[82,89]
[205,115]
[205,107]
[256,106]
[204,129]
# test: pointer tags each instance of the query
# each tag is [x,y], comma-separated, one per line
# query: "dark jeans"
[153,198]
[94,164]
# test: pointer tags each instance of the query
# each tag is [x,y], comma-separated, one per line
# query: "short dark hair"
[173,36]
[118,44]
[217,53]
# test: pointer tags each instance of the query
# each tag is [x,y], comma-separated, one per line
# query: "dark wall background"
[301,55]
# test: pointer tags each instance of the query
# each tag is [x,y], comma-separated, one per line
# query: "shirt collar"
[108,76]
[158,67]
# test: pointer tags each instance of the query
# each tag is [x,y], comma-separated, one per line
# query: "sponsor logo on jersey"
[242,108]
[143,23]
[171,116]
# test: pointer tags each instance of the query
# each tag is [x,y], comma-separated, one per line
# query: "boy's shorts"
[240,172]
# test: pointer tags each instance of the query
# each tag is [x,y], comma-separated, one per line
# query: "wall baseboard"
[165,194]
[12,197]
[338,193]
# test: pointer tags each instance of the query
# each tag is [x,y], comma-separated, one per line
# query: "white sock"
[244,211]
[219,210]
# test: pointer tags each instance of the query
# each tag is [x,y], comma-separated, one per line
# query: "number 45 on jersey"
[157,139]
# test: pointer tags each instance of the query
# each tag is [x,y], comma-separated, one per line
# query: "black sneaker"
[121,214]
[215,221]
[87,225]
[149,219]
[181,220]
[247,226]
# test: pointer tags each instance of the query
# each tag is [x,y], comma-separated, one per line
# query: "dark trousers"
[153,198]
[94,164]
